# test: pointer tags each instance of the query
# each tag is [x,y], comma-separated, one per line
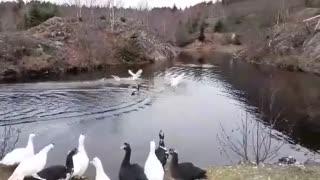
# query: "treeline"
[21,16]
[171,24]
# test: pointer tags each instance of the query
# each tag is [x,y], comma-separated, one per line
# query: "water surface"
[191,115]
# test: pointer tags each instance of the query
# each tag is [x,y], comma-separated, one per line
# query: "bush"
[103,17]
[130,51]
[40,12]
[203,26]
[122,19]
[201,36]
[218,27]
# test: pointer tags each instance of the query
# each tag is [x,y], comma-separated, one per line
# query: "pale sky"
[136,3]
[161,3]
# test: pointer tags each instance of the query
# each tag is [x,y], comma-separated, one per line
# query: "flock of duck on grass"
[31,166]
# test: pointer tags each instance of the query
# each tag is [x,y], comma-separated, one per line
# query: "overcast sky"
[161,3]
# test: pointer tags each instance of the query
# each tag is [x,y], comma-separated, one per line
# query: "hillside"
[62,45]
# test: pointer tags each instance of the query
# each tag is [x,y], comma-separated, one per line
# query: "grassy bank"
[241,172]
[269,173]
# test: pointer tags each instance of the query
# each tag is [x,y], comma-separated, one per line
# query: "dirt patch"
[62,45]
[216,46]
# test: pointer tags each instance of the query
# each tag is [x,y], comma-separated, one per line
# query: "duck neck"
[30,143]
[161,143]
[126,159]
[81,147]
[152,152]
[174,160]
[99,170]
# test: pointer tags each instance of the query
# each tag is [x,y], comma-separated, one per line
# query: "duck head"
[125,146]
[95,161]
[161,139]
[173,152]
[32,135]
[161,134]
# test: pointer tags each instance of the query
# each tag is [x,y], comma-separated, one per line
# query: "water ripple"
[31,105]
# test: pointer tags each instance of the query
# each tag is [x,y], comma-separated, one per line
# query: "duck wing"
[138,73]
[15,157]
[162,155]
[51,173]
[191,171]
[80,163]
[54,173]
[131,73]
[117,78]
[139,172]
[69,160]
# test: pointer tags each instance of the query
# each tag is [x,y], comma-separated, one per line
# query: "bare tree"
[256,142]
[9,138]
[111,13]
[78,4]
[144,7]
[120,5]
[91,4]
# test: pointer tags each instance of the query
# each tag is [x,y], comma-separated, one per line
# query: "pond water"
[211,99]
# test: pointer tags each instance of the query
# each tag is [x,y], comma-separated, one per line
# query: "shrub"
[103,17]
[40,12]
[218,27]
[201,36]
[130,51]
[122,19]
[202,28]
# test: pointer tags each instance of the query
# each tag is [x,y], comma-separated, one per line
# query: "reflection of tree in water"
[8,139]
[253,141]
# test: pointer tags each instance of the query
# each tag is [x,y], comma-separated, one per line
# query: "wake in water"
[24,103]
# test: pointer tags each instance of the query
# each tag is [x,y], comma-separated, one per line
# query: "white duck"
[117,78]
[136,75]
[100,174]
[175,81]
[17,155]
[32,165]
[80,160]
[153,167]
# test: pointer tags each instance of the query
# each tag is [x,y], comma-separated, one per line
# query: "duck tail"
[203,175]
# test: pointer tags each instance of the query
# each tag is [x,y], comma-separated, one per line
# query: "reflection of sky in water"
[191,115]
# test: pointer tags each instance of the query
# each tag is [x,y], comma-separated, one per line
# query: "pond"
[213,98]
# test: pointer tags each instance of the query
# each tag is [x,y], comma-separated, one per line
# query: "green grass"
[241,172]
[263,173]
